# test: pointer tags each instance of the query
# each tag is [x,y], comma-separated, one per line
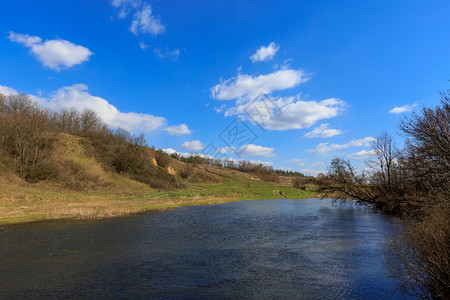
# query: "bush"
[187,171]
[298,183]
[420,257]
[162,158]
[157,178]
[271,177]
[43,170]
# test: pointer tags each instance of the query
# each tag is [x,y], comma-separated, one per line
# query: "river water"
[262,249]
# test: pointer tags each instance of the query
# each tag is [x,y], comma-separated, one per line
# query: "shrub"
[162,158]
[187,171]
[43,170]
[298,183]
[420,257]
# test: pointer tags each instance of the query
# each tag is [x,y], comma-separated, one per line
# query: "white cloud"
[285,169]
[327,148]
[220,109]
[287,113]
[55,54]
[178,130]
[298,161]
[225,150]
[295,160]
[253,102]
[251,87]
[188,154]
[192,146]
[143,20]
[77,97]
[166,53]
[265,53]
[169,151]
[7,90]
[254,150]
[311,172]
[402,109]
[143,46]
[363,154]
[323,132]
[285,65]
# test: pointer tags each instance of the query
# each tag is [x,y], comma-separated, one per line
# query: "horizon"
[304,81]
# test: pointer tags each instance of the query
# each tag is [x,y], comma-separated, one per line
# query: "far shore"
[35,204]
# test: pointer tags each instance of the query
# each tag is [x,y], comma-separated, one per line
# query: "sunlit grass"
[22,202]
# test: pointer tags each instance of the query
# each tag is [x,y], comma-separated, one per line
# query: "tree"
[385,165]
[428,146]
[350,183]
[90,121]
[24,127]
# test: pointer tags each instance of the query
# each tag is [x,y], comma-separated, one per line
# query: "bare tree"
[351,184]
[90,121]
[385,165]
[428,142]
[24,129]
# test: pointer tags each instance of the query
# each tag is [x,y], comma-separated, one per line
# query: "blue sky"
[306,80]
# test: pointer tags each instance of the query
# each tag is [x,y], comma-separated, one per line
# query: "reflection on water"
[253,249]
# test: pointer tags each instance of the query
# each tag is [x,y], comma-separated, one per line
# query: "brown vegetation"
[27,133]
[413,183]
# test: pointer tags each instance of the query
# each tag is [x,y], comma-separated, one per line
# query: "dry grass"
[84,189]
[24,202]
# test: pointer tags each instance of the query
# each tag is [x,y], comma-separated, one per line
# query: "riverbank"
[258,249]
[30,203]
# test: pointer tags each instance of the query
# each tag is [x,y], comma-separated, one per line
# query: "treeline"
[27,133]
[266,173]
[413,182]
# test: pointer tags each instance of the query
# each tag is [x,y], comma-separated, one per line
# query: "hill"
[77,179]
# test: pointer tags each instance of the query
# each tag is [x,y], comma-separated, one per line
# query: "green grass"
[239,190]
[38,203]
[117,194]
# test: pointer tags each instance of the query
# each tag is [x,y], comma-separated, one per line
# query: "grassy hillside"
[76,181]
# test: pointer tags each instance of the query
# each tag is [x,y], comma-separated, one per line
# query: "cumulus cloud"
[254,150]
[402,109]
[244,85]
[77,97]
[166,53]
[143,19]
[192,146]
[254,102]
[265,53]
[7,90]
[363,154]
[287,113]
[178,130]
[327,148]
[55,54]
[323,132]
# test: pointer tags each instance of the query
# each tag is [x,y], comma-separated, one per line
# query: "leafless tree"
[24,127]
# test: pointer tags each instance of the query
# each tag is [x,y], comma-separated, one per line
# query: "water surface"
[309,249]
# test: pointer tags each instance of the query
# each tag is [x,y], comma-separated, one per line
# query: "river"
[261,249]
